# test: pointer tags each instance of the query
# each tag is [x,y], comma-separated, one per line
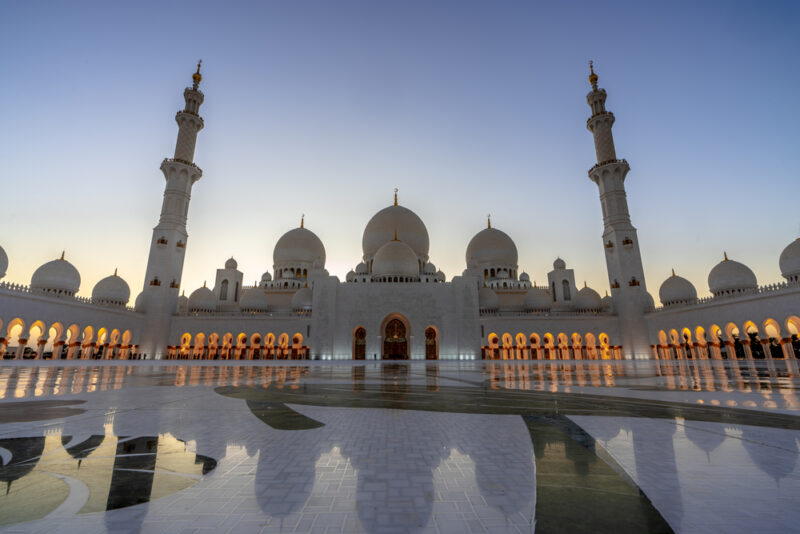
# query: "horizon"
[438,105]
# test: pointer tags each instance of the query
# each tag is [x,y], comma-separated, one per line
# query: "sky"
[469,108]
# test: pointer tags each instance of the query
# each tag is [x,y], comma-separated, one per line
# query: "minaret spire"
[395,196]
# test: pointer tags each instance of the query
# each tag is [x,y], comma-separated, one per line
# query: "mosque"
[395,303]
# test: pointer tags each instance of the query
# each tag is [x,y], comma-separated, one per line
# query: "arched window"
[223,290]
[565,286]
[236,293]
[553,290]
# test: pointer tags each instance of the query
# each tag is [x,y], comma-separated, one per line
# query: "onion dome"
[254,300]
[789,261]
[57,276]
[429,268]
[524,277]
[111,291]
[677,290]
[183,303]
[730,276]
[487,299]
[538,299]
[440,276]
[395,258]
[266,277]
[559,264]
[588,299]
[491,246]
[139,303]
[362,268]
[3,262]
[202,300]
[231,264]
[607,302]
[298,246]
[301,301]
[382,227]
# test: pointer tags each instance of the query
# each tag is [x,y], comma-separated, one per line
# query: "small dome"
[202,300]
[183,303]
[789,261]
[57,276]
[538,299]
[524,277]
[231,264]
[608,303]
[303,299]
[487,299]
[254,300]
[111,290]
[266,277]
[588,299]
[3,262]
[677,290]
[491,246]
[429,268]
[395,258]
[382,226]
[362,268]
[300,245]
[139,303]
[731,276]
[440,276]
[559,264]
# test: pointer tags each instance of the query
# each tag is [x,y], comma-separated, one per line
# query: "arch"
[565,290]
[223,290]
[227,345]
[700,335]
[213,346]
[396,333]
[431,343]
[563,346]
[793,324]
[359,343]
[731,331]
[241,346]
[549,346]
[772,328]
[591,346]
[605,346]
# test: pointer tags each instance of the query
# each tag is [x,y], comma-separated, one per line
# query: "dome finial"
[488,220]
[115,271]
[395,234]
[592,77]
[62,254]
[673,271]
[395,196]
[197,77]
[725,255]
[303,221]
[204,283]
[584,284]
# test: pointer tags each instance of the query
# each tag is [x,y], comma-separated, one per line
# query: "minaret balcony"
[609,162]
[177,165]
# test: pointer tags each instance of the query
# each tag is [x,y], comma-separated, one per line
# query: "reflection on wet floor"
[41,472]
[764,384]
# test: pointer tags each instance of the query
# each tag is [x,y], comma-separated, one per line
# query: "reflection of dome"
[487,299]
[111,290]
[588,299]
[789,261]
[730,276]
[254,300]
[559,264]
[302,299]
[491,246]
[202,300]
[231,264]
[537,299]
[395,258]
[3,262]
[298,246]
[58,276]
[383,225]
[677,290]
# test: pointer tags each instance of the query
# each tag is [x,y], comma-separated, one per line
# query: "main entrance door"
[395,342]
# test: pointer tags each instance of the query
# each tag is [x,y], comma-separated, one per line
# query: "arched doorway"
[359,343]
[431,344]
[395,339]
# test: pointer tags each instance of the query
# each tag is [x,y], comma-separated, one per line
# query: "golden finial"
[592,76]
[62,254]
[204,283]
[725,255]
[197,77]
[395,196]
[488,220]
[584,284]
[606,292]
[673,271]
[183,293]
[115,271]
[395,235]
[303,221]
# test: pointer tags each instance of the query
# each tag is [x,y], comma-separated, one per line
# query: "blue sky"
[468,108]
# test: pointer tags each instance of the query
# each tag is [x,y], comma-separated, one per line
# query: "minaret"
[623,259]
[168,245]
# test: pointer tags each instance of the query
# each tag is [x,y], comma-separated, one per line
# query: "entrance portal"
[395,342]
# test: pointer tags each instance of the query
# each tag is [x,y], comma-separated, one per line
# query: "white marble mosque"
[395,303]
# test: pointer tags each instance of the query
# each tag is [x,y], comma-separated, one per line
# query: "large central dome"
[298,246]
[383,225]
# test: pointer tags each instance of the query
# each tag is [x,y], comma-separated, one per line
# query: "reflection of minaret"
[25,453]
[646,436]
[134,466]
[623,259]
[168,244]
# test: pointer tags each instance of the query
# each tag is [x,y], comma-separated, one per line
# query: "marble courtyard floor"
[439,447]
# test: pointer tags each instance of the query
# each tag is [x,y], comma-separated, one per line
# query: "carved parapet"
[173,166]
[617,167]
